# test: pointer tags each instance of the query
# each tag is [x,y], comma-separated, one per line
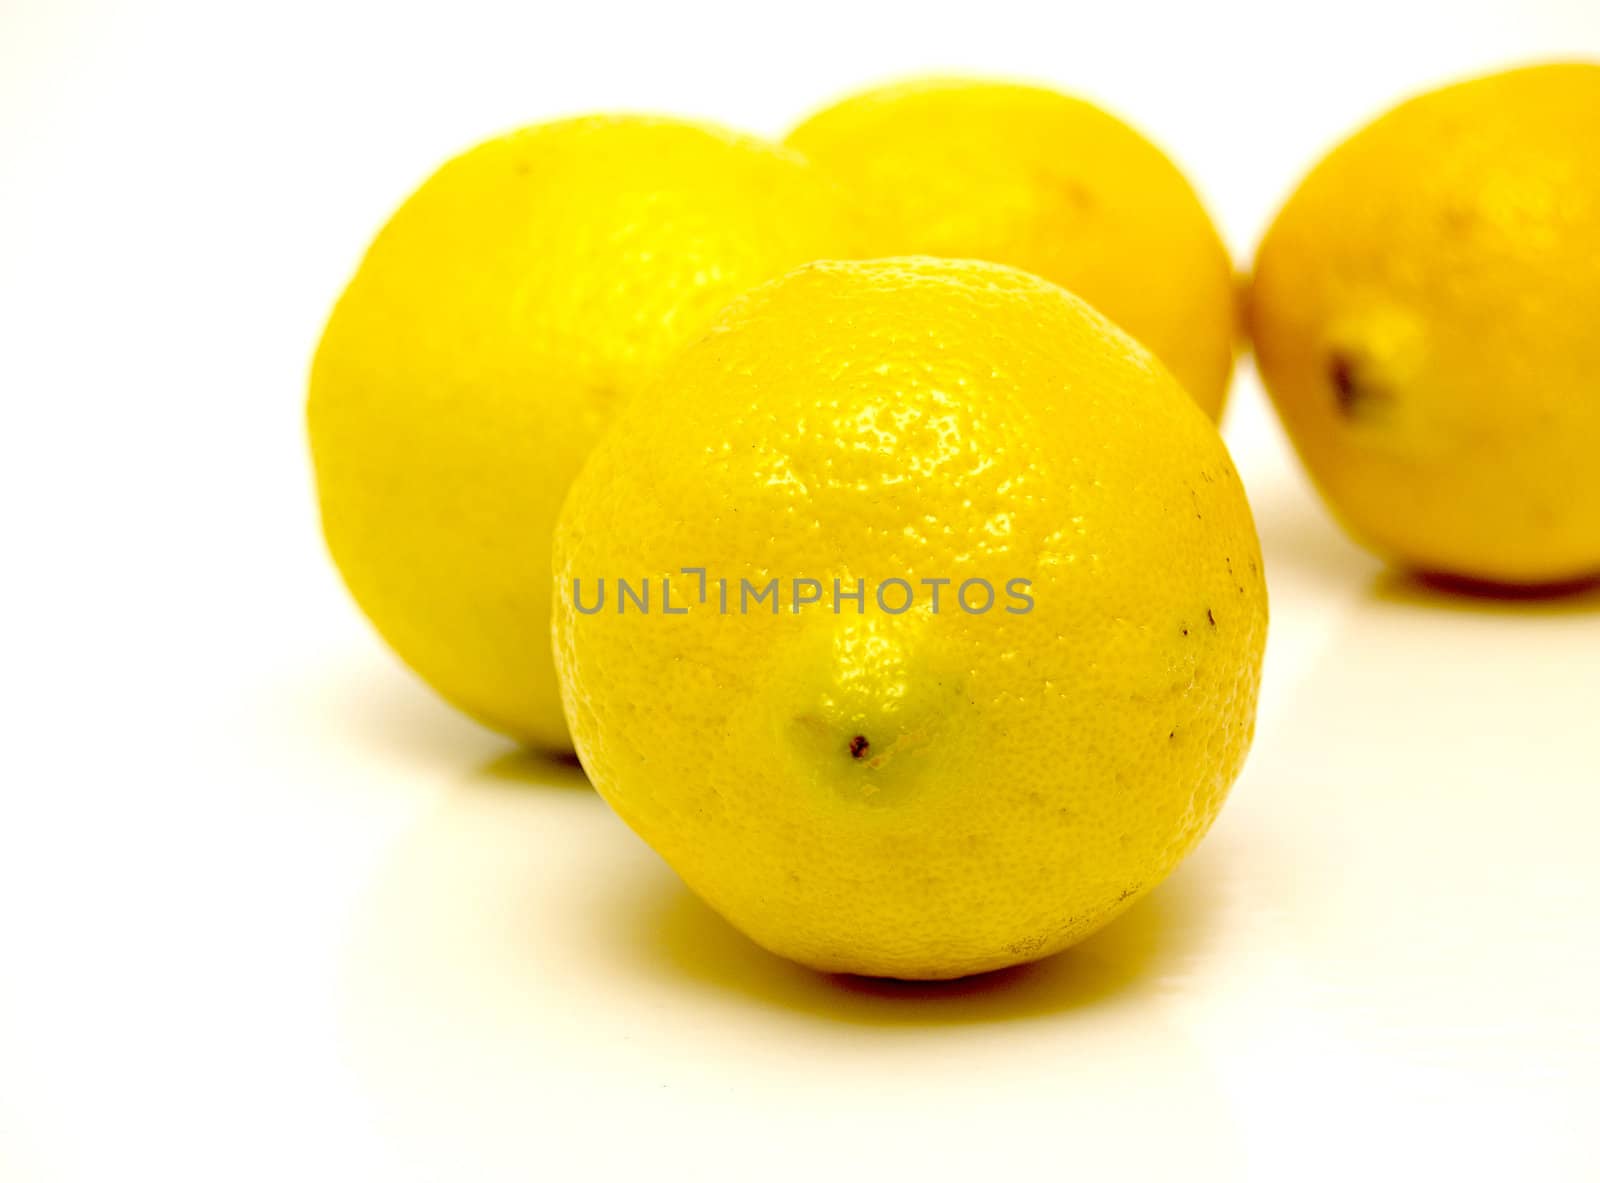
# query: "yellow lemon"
[510,306]
[1424,315]
[966,655]
[1051,184]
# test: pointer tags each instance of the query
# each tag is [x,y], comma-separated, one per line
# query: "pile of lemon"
[854,505]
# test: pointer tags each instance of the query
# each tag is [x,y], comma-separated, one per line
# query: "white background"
[268,910]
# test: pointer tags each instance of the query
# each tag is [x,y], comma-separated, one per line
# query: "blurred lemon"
[1051,184]
[510,306]
[1423,312]
[963,783]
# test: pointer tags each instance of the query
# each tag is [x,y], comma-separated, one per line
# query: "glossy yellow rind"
[930,794]
[962,168]
[523,294]
[1424,316]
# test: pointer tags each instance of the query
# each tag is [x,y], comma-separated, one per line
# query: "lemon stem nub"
[859,746]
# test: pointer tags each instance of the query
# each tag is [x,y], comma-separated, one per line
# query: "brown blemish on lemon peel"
[1354,393]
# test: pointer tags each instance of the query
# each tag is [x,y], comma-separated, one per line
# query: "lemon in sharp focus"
[511,305]
[1051,184]
[919,791]
[1424,315]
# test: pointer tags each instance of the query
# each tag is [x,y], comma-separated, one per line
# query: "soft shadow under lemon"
[1452,593]
[664,931]
[526,768]
[399,719]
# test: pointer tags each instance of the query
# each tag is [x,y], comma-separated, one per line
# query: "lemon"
[1423,312]
[511,305]
[1051,184]
[859,777]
